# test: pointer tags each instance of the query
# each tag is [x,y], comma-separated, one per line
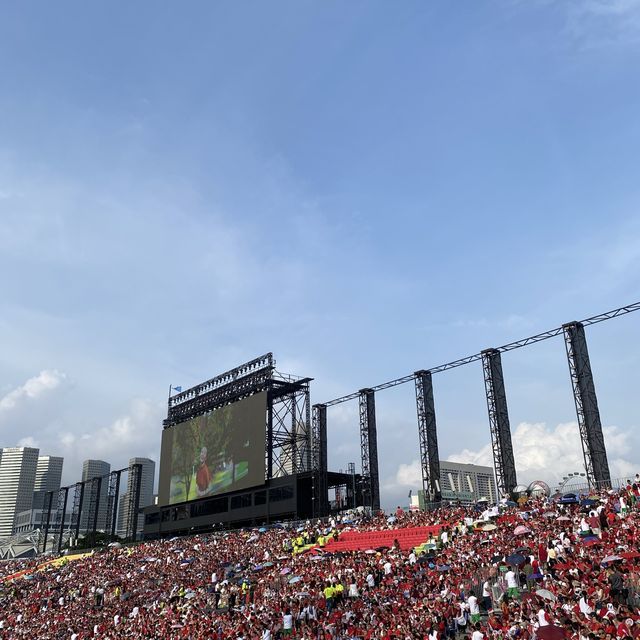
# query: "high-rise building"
[95,469]
[467,482]
[18,467]
[48,478]
[146,491]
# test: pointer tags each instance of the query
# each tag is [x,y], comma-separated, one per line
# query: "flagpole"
[170,386]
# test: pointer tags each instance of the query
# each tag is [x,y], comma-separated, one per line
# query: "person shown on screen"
[203,475]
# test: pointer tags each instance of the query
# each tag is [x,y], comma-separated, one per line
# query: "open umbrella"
[550,632]
[546,594]
[515,559]
[294,579]
[630,555]
[262,530]
[443,567]
[521,530]
[285,571]
[489,527]
[564,519]
[611,558]
[589,541]
[548,514]
[268,564]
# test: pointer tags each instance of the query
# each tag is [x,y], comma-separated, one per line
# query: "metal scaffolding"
[428,436]
[319,461]
[503,460]
[590,428]
[584,394]
[369,450]
[113,493]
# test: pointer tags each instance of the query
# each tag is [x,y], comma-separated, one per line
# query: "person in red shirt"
[203,475]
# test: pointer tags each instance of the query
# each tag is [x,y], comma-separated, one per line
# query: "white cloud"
[135,433]
[601,23]
[28,441]
[541,453]
[45,381]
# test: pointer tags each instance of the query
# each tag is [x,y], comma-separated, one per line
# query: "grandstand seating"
[407,538]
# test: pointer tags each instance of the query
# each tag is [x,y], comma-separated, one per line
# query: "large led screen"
[220,451]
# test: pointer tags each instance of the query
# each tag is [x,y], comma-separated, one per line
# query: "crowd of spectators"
[541,569]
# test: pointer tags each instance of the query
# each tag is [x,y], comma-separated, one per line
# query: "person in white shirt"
[486,596]
[512,584]
[477,634]
[287,623]
[474,608]
[585,607]
[543,618]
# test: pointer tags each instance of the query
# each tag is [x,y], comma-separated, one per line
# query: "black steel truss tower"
[428,436]
[61,510]
[49,503]
[95,489]
[319,461]
[369,446]
[289,428]
[351,487]
[584,394]
[113,493]
[76,512]
[503,459]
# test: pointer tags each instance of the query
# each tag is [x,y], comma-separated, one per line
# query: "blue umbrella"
[262,530]
[515,559]
[294,579]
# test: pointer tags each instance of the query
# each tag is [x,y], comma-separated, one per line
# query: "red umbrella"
[551,632]
[630,555]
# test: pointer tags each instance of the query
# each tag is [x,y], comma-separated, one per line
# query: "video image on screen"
[219,451]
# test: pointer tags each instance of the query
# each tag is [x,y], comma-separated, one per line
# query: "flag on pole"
[177,389]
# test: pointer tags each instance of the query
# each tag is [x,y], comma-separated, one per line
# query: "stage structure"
[596,464]
[213,437]
[56,507]
[288,448]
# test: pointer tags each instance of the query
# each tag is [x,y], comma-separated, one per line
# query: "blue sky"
[364,188]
